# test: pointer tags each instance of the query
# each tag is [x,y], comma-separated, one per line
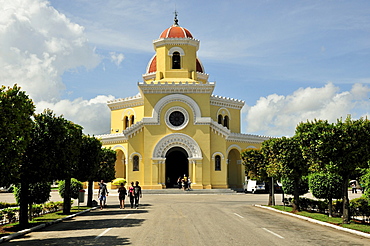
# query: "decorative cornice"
[226,102]
[236,137]
[126,102]
[148,76]
[215,127]
[249,138]
[134,129]
[203,76]
[219,129]
[176,41]
[176,87]
[112,138]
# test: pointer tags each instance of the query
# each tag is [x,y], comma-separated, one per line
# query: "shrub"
[37,210]
[359,207]
[76,186]
[6,205]
[38,192]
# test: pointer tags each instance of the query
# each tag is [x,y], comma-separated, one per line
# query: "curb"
[35,228]
[359,233]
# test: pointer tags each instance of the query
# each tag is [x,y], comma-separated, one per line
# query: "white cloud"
[93,114]
[116,58]
[38,44]
[278,115]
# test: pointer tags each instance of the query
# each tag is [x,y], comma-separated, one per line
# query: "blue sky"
[288,60]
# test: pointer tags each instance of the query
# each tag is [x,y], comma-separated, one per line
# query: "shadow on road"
[83,241]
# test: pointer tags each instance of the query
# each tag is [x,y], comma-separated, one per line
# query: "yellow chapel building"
[175,126]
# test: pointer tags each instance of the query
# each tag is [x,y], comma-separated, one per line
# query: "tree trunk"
[270,193]
[345,215]
[23,204]
[90,193]
[296,195]
[330,207]
[67,196]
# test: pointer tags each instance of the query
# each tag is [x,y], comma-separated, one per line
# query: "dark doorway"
[177,165]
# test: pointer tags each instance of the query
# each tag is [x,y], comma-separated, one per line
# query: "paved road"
[189,220]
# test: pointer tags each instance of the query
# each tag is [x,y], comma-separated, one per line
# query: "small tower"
[176,58]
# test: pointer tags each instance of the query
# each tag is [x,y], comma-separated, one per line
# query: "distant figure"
[137,193]
[131,194]
[179,182]
[185,182]
[102,194]
[354,188]
[189,183]
[122,192]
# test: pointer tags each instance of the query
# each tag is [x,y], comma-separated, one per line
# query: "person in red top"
[131,194]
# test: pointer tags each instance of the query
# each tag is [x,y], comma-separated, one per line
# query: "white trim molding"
[218,153]
[174,49]
[177,140]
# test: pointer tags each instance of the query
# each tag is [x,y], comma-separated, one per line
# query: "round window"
[176,118]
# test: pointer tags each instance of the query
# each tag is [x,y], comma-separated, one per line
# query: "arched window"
[125,122]
[217,163]
[226,122]
[176,60]
[220,119]
[135,163]
[132,120]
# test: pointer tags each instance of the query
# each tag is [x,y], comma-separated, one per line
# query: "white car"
[254,186]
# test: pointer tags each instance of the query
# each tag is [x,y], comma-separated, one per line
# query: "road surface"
[186,219]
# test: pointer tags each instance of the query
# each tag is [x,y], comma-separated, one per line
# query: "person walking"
[131,194]
[122,192]
[137,193]
[189,183]
[102,194]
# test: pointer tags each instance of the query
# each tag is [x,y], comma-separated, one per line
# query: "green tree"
[255,165]
[106,170]
[365,183]
[54,149]
[326,186]
[338,148]
[71,145]
[286,161]
[16,124]
[89,161]
[38,193]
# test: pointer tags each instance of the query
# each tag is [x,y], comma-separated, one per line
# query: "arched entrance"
[234,169]
[177,165]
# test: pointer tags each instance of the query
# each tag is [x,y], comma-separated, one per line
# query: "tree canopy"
[15,123]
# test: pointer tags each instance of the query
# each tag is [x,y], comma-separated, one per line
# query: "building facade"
[175,125]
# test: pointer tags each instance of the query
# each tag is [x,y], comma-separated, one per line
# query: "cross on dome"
[176,21]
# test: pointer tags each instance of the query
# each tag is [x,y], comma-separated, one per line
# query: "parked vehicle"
[254,186]
[6,188]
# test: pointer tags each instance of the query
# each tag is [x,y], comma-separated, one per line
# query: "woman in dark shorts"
[121,195]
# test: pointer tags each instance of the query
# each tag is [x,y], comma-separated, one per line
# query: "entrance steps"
[180,191]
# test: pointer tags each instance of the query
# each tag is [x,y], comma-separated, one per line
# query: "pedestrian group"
[184,183]
[133,192]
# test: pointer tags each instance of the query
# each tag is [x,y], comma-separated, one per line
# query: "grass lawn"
[14,227]
[355,225]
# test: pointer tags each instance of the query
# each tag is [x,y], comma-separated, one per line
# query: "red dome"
[176,32]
